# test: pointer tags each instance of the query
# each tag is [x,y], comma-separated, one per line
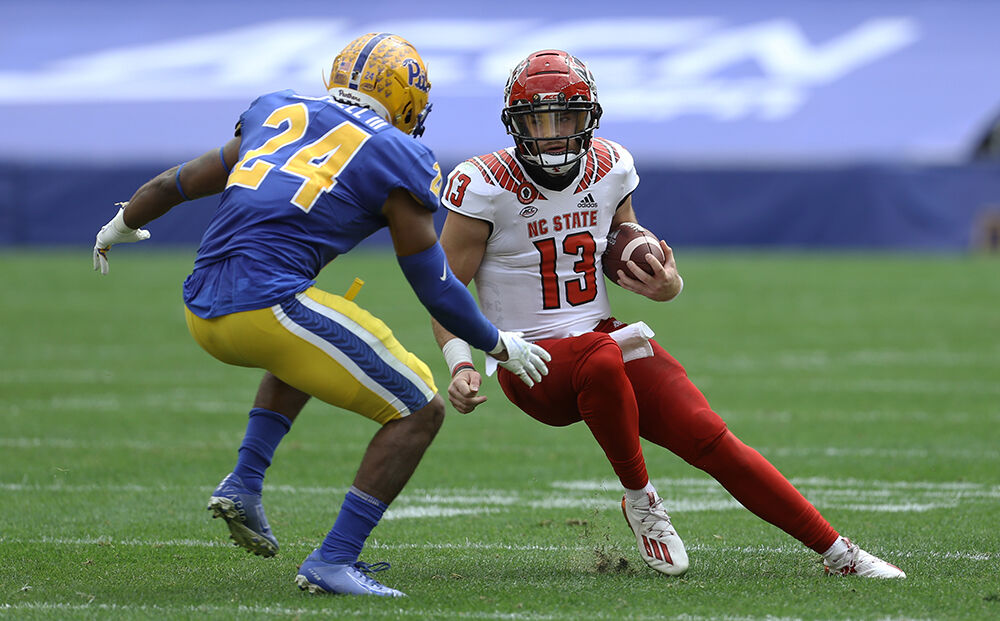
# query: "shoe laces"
[371,568]
[365,569]
[655,519]
[847,562]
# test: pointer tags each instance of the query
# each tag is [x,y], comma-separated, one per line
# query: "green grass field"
[872,381]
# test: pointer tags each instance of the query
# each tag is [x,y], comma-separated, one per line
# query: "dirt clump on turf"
[606,563]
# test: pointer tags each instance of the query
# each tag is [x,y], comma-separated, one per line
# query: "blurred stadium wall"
[793,123]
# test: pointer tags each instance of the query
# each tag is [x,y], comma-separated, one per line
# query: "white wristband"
[679,290]
[457,352]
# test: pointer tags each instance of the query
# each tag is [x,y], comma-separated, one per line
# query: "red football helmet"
[551,109]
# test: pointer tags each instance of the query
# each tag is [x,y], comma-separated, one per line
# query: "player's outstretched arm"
[199,177]
[464,242]
[426,268]
[446,298]
[665,283]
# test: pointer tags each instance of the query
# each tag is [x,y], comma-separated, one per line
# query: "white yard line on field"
[881,415]
[134,445]
[882,386]
[878,453]
[283,611]
[683,495]
[366,612]
[817,360]
[779,451]
[792,549]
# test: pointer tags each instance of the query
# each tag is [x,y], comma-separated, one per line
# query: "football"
[630,242]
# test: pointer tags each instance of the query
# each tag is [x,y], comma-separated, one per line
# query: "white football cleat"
[849,559]
[658,542]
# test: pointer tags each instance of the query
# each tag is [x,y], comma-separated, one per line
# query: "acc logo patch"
[528,211]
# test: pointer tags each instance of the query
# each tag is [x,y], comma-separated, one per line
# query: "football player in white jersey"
[529,223]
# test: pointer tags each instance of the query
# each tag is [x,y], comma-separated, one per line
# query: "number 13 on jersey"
[579,290]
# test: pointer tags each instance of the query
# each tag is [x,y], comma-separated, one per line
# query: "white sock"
[838,548]
[634,495]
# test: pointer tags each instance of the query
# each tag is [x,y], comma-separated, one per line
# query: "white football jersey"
[541,274]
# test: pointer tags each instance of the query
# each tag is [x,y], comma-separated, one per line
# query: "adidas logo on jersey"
[588,201]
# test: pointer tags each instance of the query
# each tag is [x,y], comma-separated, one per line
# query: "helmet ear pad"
[404,115]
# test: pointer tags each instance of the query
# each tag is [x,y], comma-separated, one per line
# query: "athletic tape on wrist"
[679,289]
[457,353]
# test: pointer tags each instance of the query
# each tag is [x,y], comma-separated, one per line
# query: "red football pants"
[653,398]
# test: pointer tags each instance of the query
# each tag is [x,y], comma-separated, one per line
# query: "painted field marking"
[780,451]
[682,495]
[792,549]
[283,611]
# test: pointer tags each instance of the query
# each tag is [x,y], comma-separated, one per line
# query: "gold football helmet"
[384,72]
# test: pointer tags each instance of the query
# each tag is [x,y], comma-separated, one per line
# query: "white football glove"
[525,360]
[114,232]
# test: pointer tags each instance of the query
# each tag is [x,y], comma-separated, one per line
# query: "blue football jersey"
[312,178]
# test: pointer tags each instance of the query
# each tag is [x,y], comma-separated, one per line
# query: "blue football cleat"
[317,576]
[244,514]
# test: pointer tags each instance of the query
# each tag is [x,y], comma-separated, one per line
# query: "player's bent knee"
[603,356]
[708,452]
[429,418]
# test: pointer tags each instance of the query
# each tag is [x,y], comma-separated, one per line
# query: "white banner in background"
[647,68]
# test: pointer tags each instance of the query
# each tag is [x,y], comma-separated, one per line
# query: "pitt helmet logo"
[415,76]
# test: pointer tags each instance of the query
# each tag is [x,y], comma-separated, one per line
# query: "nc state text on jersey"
[564,221]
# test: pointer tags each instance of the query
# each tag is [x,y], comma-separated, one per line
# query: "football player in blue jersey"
[304,180]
